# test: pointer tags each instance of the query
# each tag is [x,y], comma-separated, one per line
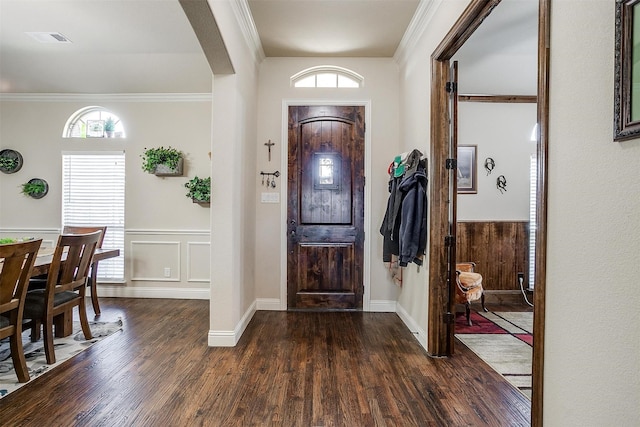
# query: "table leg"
[63,323]
[94,288]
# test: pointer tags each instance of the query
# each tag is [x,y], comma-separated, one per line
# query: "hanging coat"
[413,217]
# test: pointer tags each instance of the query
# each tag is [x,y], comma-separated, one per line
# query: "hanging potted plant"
[10,161]
[36,188]
[199,190]
[109,127]
[162,161]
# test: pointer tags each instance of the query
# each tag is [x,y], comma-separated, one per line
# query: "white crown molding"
[424,14]
[118,97]
[248,27]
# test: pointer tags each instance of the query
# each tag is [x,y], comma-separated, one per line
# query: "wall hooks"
[271,178]
[501,183]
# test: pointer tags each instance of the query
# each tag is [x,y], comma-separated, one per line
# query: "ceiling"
[149,46]
[353,28]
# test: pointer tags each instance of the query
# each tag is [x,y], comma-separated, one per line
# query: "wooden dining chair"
[93,273]
[66,288]
[17,260]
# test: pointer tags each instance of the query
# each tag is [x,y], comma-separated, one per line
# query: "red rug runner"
[482,325]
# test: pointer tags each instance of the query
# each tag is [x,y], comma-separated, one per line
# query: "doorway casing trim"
[470,19]
[284,158]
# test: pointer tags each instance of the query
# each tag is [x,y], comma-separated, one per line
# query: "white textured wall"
[233,165]
[415,101]
[502,132]
[592,345]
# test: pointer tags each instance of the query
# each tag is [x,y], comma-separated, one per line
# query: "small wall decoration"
[36,188]
[162,161]
[95,128]
[501,183]
[489,164]
[467,169]
[199,190]
[271,178]
[269,145]
[10,161]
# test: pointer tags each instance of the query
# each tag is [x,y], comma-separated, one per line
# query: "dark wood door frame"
[366,276]
[439,305]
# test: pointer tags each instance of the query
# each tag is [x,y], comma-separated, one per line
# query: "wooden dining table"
[64,323]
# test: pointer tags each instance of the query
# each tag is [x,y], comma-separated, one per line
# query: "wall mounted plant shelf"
[10,161]
[162,161]
[166,170]
[199,190]
[36,188]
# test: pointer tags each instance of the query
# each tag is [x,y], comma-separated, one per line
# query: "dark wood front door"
[325,222]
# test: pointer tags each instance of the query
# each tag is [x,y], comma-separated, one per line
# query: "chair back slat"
[78,229]
[71,262]
[18,260]
[15,270]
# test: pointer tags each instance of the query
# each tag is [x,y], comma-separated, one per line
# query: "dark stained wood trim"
[471,18]
[465,26]
[439,211]
[508,253]
[505,99]
[544,33]
[439,306]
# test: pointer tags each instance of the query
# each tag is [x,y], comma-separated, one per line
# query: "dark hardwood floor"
[289,369]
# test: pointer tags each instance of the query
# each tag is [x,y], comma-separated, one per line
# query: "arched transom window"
[93,122]
[327,76]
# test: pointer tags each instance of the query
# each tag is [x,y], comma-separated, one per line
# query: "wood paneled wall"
[500,250]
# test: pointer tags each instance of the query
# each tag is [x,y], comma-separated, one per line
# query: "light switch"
[270,198]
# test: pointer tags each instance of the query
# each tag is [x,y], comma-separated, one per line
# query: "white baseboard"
[378,306]
[268,304]
[231,338]
[382,306]
[413,326]
[110,291]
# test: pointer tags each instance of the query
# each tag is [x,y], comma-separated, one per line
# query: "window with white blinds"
[533,182]
[93,195]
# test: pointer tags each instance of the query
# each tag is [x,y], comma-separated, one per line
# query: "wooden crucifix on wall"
[269,144]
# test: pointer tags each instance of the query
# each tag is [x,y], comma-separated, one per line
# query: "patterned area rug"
[504,340]
[66,348]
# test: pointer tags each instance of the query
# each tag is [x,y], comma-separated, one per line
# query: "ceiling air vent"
[49,37]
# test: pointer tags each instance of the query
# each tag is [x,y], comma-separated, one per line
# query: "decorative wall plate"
[16,159]
[39,181]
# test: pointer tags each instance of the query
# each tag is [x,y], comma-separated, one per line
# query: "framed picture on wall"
[626,111]
[467,169]
[95,128]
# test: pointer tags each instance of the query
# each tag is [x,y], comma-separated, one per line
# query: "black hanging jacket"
[413,217]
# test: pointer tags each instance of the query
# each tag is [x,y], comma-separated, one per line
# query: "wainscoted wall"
[158,263]
[500,250]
